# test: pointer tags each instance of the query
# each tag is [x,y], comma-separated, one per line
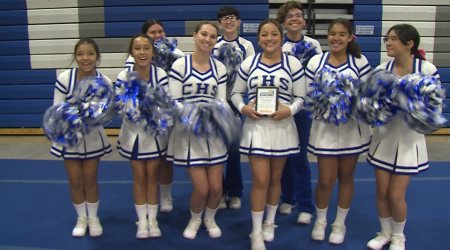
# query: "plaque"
[266,100]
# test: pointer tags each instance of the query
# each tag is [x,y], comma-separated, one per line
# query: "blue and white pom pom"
[63,124]
[95,99]
[165,54]
[332,97]
[232,59]
[376,102]
[214,119]
[421,98]
[158,110]
[129,96]
[303,51]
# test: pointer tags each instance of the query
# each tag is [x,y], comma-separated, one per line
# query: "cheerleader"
[155,30]
[229,21]
[397,151]
[82,161]
[199,78]
[144,151]
[296,177]
[268,141]
[337,147]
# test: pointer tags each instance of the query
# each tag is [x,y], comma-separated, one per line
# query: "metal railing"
[311,26]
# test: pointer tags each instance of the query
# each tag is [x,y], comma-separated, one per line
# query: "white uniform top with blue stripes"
[131,61]
[266,136]
[243,47]
[349,138]
[95,144]
[395,147]
[188,84]
[289,44]
[133,142]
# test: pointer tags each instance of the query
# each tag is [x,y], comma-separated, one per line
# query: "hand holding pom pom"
[303,51]
[331,99]
[129,95]
[232,60]
[165,53]
[376,98]
[421,98]
[63,124]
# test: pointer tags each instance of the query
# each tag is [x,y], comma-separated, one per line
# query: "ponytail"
[416,53]
[354,49]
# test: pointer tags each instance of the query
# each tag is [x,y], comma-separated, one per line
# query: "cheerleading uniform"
[266,136]
[395,147]
[133,142]
[130,60]
[296,177]
[95,144]
[351,138]
[188,84]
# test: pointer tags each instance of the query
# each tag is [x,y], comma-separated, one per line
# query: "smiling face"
[156,31]
[294,21]
[205,38]
[142,51]
[86,57]
[270,38]
[229,24]
[394,45]
[338,38]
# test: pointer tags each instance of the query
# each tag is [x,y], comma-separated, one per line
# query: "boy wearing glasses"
[296,178]
[229,22]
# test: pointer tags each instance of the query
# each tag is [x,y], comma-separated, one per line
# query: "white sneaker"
[397,242]
[95,228]
[166,205]
[304,218]
[142,231]
[286,208]
[257,241]
[212,228]
[223,202]
[80,228]
[318,232]
[153,229]
[235,203]
[269,231]
[378,242]
[191,230]
[337,235]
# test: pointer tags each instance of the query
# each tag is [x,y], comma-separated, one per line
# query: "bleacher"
[38,37]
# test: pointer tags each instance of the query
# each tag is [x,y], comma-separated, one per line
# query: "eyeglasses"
[228,18]
[290,16]
[392,38]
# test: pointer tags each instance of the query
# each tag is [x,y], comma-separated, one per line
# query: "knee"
[76,183]
[396,198]
[215,190]
[90,183]
[346,180]
[203,192]
[274,182]
[261,182]
[140,180]
[326,184]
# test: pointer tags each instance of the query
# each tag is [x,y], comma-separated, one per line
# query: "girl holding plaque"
[273,80]
[336,144]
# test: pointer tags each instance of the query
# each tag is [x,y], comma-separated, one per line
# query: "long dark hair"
[149,23]
[86,40]
[406,33]
[352,47]
[130,46]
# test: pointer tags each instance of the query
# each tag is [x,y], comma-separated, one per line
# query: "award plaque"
[266,100]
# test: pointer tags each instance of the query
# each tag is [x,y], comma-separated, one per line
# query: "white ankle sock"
[141,211]
[257,218]
[322,213]
[341,215]
[195,216]
[271,211]
[81,209]
[210,213]
[152,211]
[166,190]
[386,225]
[398,227]
[92,208]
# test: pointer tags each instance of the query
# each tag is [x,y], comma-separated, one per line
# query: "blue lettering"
[271,84]
[250,86]
[284,84]
[214,89]
[184,90]
[204,88]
